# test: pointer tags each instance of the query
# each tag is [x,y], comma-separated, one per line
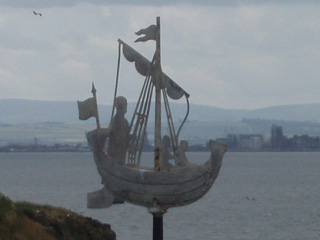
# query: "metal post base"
[157,226]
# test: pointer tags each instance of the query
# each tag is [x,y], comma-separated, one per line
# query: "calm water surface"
[256,196]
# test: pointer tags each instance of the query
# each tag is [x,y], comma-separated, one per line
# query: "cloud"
[5,74]
[101,42]
[38,4]
[244,56]
[74,68]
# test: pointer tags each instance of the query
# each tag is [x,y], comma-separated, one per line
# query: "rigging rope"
[173,136]
[140,120]
[144,123]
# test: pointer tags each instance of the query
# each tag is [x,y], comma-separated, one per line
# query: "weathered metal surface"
[173,181]
[173,187]
[100,199]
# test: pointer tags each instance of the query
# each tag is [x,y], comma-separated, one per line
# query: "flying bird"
[36,13]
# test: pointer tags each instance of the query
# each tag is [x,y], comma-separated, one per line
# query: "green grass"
[29,221]
[15,225]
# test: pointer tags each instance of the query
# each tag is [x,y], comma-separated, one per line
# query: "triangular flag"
[150,33]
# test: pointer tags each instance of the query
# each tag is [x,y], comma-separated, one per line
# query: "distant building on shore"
[277,138]
[244,142]
[277,142]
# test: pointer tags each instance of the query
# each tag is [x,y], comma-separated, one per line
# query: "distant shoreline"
[84,149]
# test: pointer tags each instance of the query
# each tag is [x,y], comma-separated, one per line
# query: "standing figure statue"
[119,132]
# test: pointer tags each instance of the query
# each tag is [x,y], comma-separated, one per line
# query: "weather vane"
[173,180]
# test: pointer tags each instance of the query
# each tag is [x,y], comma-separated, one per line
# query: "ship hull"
[173,187]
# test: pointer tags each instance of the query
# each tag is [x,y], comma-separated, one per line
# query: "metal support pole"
[157,148]
[157,226]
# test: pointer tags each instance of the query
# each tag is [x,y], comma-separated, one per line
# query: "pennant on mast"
[150,33]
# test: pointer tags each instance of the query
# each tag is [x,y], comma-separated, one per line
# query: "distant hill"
[23,121]
[19,111]
[299,112]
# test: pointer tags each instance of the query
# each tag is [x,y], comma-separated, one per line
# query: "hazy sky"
[237,55]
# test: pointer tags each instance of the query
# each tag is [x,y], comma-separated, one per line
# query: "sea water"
[256,196]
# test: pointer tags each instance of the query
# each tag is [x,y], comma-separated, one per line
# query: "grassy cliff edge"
[29,221]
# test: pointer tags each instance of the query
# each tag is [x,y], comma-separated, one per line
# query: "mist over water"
[256,196]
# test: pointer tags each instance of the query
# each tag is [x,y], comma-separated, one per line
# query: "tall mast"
[157,157]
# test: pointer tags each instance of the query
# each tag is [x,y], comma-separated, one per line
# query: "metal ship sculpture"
[173,180]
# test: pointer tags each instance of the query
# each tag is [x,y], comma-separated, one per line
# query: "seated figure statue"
[181,158]
[166,154]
